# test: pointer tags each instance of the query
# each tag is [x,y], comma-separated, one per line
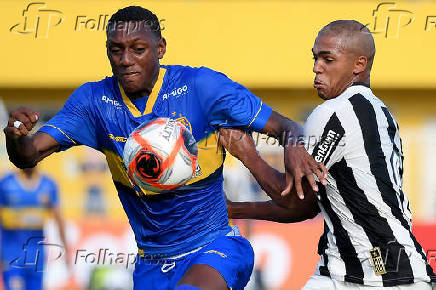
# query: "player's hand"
[298,164]
[239,143]
[21,122]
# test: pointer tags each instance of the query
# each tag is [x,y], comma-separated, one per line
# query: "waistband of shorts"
[234,232]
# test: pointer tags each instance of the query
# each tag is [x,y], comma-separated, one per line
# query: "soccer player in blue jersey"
[183,236]
[27,199]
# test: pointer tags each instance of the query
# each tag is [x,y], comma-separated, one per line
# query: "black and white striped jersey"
[367,231]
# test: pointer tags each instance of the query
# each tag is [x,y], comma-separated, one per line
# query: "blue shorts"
[24,278]
[231,256]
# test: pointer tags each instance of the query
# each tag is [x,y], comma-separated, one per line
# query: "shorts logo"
[176,93]
[377,261]
[216,252]
[325,146]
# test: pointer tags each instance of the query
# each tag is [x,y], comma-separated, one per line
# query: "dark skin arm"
[27,150]
[287,208]
[298,163]
[298,211]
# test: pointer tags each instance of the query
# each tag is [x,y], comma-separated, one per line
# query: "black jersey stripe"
[381,235]
[322,246]
[392,129]
[353,267]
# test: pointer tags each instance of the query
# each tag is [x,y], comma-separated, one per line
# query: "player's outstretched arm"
[27,150]
[297,210]
[241,145]
[298,163]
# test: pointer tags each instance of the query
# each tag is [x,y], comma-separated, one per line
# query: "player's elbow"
[23,163]
[296,217]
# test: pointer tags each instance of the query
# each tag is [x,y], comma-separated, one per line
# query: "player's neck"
[148,88]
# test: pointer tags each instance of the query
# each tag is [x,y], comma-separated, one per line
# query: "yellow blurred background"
[51,47]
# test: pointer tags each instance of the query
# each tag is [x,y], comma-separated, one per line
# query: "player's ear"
[161,47]
[360,64]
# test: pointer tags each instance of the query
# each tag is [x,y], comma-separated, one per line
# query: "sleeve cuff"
[60,136]
[261,118]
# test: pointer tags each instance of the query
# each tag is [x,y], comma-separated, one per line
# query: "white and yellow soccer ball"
[160,155]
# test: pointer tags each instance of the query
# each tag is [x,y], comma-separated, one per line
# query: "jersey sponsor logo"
[108,100]
[197,172]
[326,145]
[176,93]
[118,138]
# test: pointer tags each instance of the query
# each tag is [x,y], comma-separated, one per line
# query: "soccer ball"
[160,155]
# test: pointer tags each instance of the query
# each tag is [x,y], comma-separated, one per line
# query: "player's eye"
[115,50]
[139,49]
[329,59]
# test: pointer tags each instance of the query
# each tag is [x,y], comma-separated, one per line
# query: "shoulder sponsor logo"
[176,93]
[108,100]
[326,144]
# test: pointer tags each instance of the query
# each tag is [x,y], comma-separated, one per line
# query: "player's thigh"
[204,277]
[228,261]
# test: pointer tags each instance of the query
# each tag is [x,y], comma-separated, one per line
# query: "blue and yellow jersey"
[101,116]
[24,208]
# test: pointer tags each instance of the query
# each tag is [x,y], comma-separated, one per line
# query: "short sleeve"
[74,125]
[229,104]
[325,136]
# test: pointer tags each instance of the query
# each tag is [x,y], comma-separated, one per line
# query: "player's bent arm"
[298,210]
[298,163]
[27,151]
[241,145]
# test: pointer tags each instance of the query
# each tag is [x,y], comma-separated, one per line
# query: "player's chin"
[130,87]
[321,94]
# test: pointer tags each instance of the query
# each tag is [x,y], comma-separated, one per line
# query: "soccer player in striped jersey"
[183,236]
[367,239]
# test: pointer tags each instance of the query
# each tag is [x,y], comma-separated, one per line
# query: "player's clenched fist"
[21,122]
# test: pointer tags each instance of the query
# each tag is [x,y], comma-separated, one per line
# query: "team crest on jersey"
[185,123]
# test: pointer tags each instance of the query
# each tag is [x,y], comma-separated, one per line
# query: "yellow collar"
[151,99]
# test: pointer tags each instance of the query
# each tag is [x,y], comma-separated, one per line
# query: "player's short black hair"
[135,14]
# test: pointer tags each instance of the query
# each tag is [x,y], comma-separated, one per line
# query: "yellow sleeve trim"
[49,125]
[255,116]
[151,99]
